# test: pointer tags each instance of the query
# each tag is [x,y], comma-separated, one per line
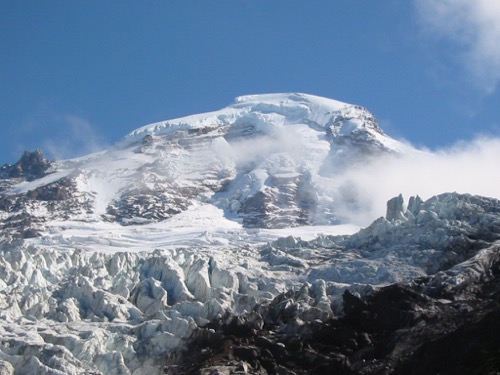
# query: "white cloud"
[74,136]
[465,168]
[474,26]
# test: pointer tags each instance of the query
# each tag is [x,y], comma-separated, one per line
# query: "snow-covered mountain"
[267,161]
[113,262]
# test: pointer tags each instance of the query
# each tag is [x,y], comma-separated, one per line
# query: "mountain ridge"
[266,161]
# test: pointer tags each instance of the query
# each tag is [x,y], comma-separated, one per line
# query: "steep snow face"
[275,156]
[267,161]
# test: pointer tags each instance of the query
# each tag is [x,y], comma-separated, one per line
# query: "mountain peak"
[266,161]
[277,109]
[290,99]
[31,165]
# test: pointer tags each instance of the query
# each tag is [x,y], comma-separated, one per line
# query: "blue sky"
[76,76]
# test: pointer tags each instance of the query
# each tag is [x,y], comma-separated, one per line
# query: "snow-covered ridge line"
[294,107]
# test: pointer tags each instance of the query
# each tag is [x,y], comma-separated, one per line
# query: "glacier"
[113,262]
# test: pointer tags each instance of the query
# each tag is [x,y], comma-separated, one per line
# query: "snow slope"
[267,161]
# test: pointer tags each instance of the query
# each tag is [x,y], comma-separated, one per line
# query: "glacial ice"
[80,312]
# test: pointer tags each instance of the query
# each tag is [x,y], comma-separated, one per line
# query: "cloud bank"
[473,26]
[465,168]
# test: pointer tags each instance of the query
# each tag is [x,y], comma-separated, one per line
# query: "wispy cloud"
[464,168]
[474,27]
[74,136]
[60,135]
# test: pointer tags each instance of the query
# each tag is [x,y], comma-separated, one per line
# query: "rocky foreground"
[446,322]
[412,328]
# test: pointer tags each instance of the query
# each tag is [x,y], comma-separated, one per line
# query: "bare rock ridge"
[32,165]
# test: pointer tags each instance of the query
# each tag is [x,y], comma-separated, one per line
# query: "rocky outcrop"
[25,214]
[60,190]
[32,165]
[289,201]
[147,205]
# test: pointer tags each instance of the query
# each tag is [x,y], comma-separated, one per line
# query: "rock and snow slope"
[111,261]
[267,161]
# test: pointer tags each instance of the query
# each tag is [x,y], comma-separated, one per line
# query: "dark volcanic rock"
[32,165]
[399,329]
[147,205]
[60,190]
[25,213]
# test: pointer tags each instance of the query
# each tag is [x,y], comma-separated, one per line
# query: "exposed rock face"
[60,190]
[26,214]
[135,207]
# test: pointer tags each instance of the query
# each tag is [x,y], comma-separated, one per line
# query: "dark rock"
[242,326]
[246,353]
[148,140]
[60,190]
[395,307]
[353,305]
[32,165]
[253,210]
[473,348]
[146,205]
